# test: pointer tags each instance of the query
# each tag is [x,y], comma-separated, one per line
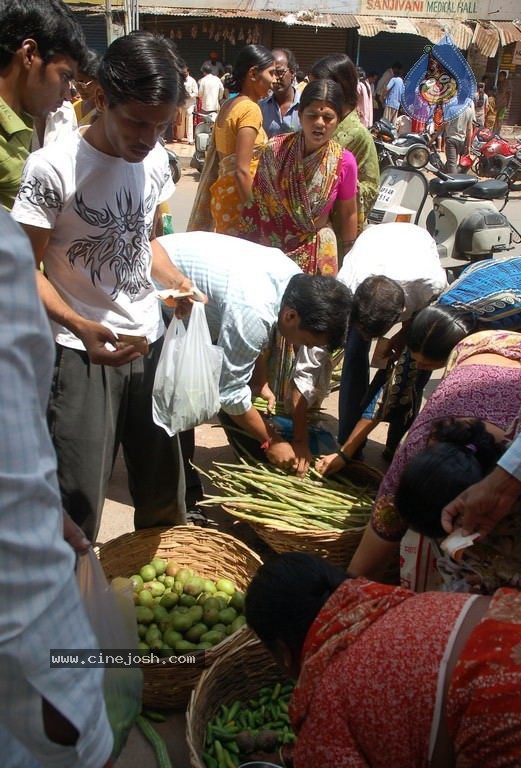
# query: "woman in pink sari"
[388,678]
[300,178]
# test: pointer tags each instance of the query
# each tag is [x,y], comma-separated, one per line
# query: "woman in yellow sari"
[232,156]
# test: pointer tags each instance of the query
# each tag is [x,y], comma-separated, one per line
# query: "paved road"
[212,446]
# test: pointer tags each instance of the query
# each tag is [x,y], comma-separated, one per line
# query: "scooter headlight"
[417,156]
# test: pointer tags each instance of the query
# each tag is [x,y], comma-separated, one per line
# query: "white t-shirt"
[192,91]
[211,91]
[100,210]
[58,126]
[405,253]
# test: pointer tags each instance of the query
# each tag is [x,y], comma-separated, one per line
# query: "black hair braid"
[471,436]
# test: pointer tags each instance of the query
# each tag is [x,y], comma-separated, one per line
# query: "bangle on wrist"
[342,455]
[266,444]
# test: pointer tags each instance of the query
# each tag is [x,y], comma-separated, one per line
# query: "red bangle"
[265,445]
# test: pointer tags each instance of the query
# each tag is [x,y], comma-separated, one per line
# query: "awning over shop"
[432,29]
[304,18]
[489,35]
[509,31]
[369,26]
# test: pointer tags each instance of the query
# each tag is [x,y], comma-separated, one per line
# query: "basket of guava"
[188,589]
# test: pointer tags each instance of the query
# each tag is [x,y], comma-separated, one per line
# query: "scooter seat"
[492,189]
[447,187]
[418,138]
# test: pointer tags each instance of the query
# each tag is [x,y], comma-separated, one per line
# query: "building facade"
[375,33]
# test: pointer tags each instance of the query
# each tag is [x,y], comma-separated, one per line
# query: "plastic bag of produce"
[110,609]
[186,386]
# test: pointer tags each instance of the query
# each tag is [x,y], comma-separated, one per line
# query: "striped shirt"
[41,608]
[244,283]
[511,459]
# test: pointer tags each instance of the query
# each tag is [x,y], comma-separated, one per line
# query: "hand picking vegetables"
[263,494]
[177,610]
[251,730]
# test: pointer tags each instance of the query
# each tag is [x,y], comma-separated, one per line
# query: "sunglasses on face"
[281,72]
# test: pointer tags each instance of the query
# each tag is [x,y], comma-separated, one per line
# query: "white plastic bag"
[110,609]
[186,385]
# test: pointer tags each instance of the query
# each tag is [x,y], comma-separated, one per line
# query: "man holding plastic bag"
[88,207]
[251,289]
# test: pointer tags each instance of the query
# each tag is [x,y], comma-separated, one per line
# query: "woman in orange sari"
[300,179]
[387,677]
[232,155]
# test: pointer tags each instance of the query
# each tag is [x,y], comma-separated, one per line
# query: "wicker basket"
[238,674]
[211,554]
[337,546]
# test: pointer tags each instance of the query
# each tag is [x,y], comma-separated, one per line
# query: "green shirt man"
[15,142]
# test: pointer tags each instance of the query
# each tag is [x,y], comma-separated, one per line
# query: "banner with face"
[440,86]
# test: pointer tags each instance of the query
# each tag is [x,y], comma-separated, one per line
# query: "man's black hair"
[377,305]
[142,67]
[50,23]
[91,65]
[290,58]
[323,305]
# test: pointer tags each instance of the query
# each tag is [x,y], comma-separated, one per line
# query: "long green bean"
[261,493]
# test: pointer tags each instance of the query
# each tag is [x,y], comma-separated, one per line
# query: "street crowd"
[403,676]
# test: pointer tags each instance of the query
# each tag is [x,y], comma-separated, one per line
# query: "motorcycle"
[384,134]
[512,173]
[493,156]
[202,132]
[465,222]
[173,162]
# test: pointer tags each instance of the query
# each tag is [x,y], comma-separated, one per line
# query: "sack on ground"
[110,610]
[186,385]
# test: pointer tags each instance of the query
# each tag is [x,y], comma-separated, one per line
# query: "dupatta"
[217,205]
[289,194]
[353,607]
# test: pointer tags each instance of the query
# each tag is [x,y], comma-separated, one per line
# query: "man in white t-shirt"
[393,271]
[192,91]
[88,206]
[216,67]
[211,90]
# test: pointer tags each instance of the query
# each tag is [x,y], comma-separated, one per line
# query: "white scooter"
[202,133]
[465,223]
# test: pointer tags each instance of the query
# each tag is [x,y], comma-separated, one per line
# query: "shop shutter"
[309,43]
[95,30]
[513,116]
[514,113]
[379,52]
